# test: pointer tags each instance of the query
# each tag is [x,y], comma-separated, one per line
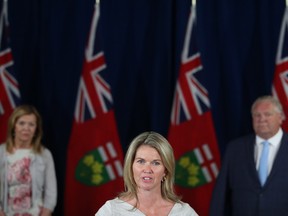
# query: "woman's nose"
[147,169]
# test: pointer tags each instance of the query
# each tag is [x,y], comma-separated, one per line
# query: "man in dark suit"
[238,190]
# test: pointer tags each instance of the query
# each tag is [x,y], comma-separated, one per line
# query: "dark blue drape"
[142,44]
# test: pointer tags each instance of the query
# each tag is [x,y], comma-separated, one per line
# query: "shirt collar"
[275,140]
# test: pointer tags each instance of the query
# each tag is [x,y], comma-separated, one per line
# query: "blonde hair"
[17,113]
[158,142]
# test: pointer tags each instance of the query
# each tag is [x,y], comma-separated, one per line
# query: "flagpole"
[3,18]
[194,2]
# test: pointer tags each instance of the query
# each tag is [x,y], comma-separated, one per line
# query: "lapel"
[251,159]
[280,159]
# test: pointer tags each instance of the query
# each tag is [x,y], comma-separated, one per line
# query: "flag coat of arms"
[9,89]
[94,158]
[280,83]
[191,131]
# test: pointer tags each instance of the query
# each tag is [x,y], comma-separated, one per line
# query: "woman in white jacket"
[28,185]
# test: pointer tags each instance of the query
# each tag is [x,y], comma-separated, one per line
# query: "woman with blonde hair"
[28,184]
[149,181]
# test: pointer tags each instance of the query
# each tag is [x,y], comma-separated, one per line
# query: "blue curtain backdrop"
[142,43]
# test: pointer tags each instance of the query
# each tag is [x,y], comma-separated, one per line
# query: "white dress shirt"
[274,144]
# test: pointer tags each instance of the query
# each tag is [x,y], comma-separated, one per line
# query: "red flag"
[95,158]
[9,91]
[191,131]
[280,84]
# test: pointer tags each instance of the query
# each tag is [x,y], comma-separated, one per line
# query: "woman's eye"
[141,161]
[32,124]
[155,163]
[21,123]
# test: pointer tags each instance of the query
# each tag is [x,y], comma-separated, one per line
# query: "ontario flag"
[94,158]
[9,89]
[280,83]
[191,131]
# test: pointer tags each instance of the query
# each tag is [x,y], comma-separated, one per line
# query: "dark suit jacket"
[238,190]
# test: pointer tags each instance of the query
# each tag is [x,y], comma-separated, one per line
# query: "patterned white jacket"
[44,183]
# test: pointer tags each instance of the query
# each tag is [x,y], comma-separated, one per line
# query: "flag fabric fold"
[9,88]
[94,155]
[191,131]
[280,82]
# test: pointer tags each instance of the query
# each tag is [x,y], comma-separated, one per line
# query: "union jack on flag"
[94,94]
[280,84]
[9,89]
[191,97]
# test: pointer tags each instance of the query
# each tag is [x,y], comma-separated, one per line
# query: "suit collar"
[281,157]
